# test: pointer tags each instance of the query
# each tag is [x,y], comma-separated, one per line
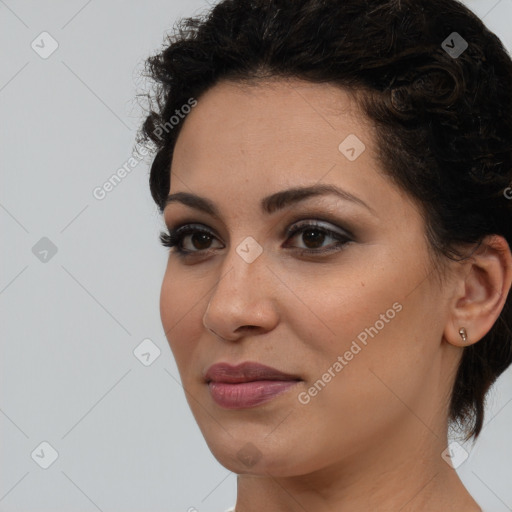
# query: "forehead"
[233,110]
[244,142]
[276,126]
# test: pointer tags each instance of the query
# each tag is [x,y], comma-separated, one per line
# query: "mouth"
[246,385]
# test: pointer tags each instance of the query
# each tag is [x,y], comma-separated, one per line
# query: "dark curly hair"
[443,122]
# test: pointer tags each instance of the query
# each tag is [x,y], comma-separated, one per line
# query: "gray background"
[70,323]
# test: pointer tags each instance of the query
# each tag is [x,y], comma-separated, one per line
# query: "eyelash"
[176,236]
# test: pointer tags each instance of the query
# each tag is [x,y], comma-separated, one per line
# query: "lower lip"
[247,394]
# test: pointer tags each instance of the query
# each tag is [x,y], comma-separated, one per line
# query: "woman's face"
[360,325]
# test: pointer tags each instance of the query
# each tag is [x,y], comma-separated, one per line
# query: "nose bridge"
[240,297]
[243,266]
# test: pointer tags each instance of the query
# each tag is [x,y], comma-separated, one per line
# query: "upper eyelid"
[329,215]
[320,224]
[292,229]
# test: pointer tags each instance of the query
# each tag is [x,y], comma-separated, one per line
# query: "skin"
[372,438]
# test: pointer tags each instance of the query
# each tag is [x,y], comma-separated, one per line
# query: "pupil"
[204,237]
[309,235]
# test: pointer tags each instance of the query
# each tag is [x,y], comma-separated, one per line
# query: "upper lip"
[245,372]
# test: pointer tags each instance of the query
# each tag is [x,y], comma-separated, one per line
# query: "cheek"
[180,303]
[386,334]
[346,302]
[168,303]
[372,321]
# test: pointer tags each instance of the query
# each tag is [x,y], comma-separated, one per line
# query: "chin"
[247,457]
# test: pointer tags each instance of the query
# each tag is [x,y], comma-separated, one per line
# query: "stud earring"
[463,334]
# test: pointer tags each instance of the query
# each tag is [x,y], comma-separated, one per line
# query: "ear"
[481,290]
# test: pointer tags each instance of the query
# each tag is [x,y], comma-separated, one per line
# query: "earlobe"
[485,283]
[463,334]
[461,340]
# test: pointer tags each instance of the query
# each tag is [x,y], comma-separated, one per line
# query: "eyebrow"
[270,204]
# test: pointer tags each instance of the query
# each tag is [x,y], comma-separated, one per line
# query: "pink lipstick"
[246,385]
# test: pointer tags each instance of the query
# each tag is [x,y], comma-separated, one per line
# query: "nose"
[244,300]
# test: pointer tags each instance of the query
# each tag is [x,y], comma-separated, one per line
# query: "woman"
[334,177]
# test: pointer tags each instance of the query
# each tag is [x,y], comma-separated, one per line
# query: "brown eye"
[189,240]
[313,236]
[200,239]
